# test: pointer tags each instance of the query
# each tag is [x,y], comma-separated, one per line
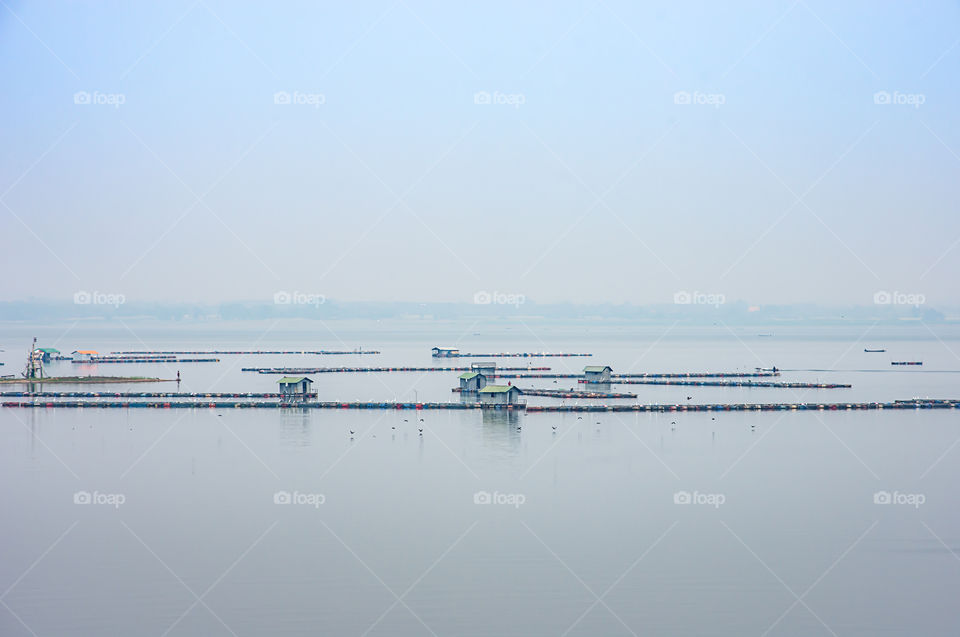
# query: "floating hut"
[499,395]
[84,355]
[294,386]
[47,353]
[597,373]
[472,381]
[445,352]
[488,368]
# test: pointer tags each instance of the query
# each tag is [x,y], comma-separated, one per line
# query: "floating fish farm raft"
[701,375]
[559,393]
[218,352]
[82,380]
[509,355]
[728,383]
[346,370]
[96,360]
[256,404]
[650,375]
[147,394]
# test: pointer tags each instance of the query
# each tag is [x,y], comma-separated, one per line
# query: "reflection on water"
[597,387]
[295,426]
[500,434]
[501,417]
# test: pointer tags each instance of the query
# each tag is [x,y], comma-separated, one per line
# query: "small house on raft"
[472,381]
[295,386]
[445,352]
[487,369]
[597,373]
[46,354]
[83,355]
[496,395]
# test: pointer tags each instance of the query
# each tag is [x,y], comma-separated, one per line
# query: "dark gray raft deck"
[258,352]
[728,383]
[289,371]
[143,394]
[614,377]
[259,404]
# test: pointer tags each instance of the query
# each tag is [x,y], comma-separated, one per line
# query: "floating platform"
[757,374]
[258,352]
[84,380]
[146,359]
[559,393]
[239,404]
[524,375]
[553,393]
[146,394]
[509,355]
[646,375]
[294,371]
[906,362]
[899,404]
[728,383]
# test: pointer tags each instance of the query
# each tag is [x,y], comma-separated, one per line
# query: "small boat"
[873,351]
[767,369]
[906,362]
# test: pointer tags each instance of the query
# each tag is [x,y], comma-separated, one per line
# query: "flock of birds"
[673,425]
[419,428]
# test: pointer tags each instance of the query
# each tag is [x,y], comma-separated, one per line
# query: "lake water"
[773,523]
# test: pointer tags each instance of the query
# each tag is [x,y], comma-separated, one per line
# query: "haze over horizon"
[777,153]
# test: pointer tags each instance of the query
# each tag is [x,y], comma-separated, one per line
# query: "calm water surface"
[584,534]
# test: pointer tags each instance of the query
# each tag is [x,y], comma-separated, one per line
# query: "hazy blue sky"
[586,182]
